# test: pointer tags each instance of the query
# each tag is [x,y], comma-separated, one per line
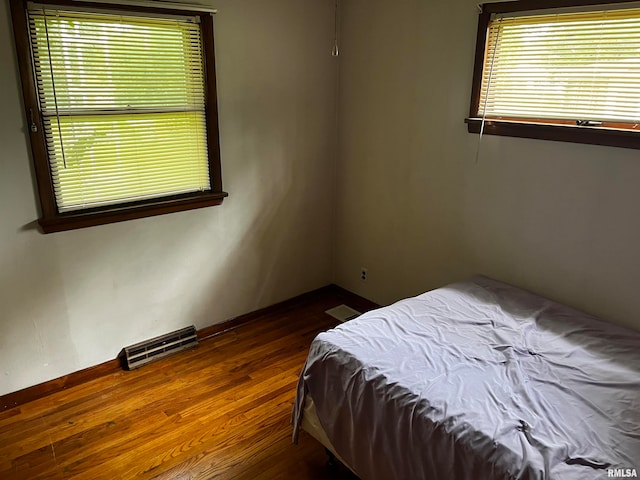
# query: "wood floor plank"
[72,419]
[219,411]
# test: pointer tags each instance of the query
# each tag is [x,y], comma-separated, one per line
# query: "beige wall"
[71,300]
[417,211]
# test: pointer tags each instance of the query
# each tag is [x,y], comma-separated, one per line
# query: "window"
[568,74]
[121,108]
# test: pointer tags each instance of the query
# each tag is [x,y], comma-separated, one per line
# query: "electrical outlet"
[363,274]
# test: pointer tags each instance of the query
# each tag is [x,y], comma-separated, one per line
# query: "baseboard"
[28,394]
[15,399]
[282,307]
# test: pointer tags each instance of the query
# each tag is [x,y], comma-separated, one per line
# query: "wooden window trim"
[561,131]
[53,221]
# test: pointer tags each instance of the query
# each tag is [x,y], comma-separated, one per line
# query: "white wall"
[418,212]
[411,204]
[74,299]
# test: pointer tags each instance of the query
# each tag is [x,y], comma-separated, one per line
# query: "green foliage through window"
[569,66]
[123,105]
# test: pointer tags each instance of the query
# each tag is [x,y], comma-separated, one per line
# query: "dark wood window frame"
[607,135]
[53,221]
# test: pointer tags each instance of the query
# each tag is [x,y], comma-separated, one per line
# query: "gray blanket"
[477,380]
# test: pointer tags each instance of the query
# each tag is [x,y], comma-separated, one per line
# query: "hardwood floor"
[219,411]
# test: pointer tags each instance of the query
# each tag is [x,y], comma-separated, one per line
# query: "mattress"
[477,380]
[311,424]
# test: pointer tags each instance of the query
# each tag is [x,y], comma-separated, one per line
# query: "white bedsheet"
[477,380]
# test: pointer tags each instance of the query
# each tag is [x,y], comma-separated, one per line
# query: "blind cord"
[335,51]
[53,84]
[486,97]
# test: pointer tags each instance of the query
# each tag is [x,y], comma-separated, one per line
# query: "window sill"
[101,216]
[560,133]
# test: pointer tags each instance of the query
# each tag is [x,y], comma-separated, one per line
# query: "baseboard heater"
[135,356]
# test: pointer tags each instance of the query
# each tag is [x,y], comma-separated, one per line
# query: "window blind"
[123,105]
[565,66]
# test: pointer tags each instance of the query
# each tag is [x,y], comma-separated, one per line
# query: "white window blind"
[123,105]
[581,66]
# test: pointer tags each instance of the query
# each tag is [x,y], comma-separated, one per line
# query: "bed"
[475,380]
